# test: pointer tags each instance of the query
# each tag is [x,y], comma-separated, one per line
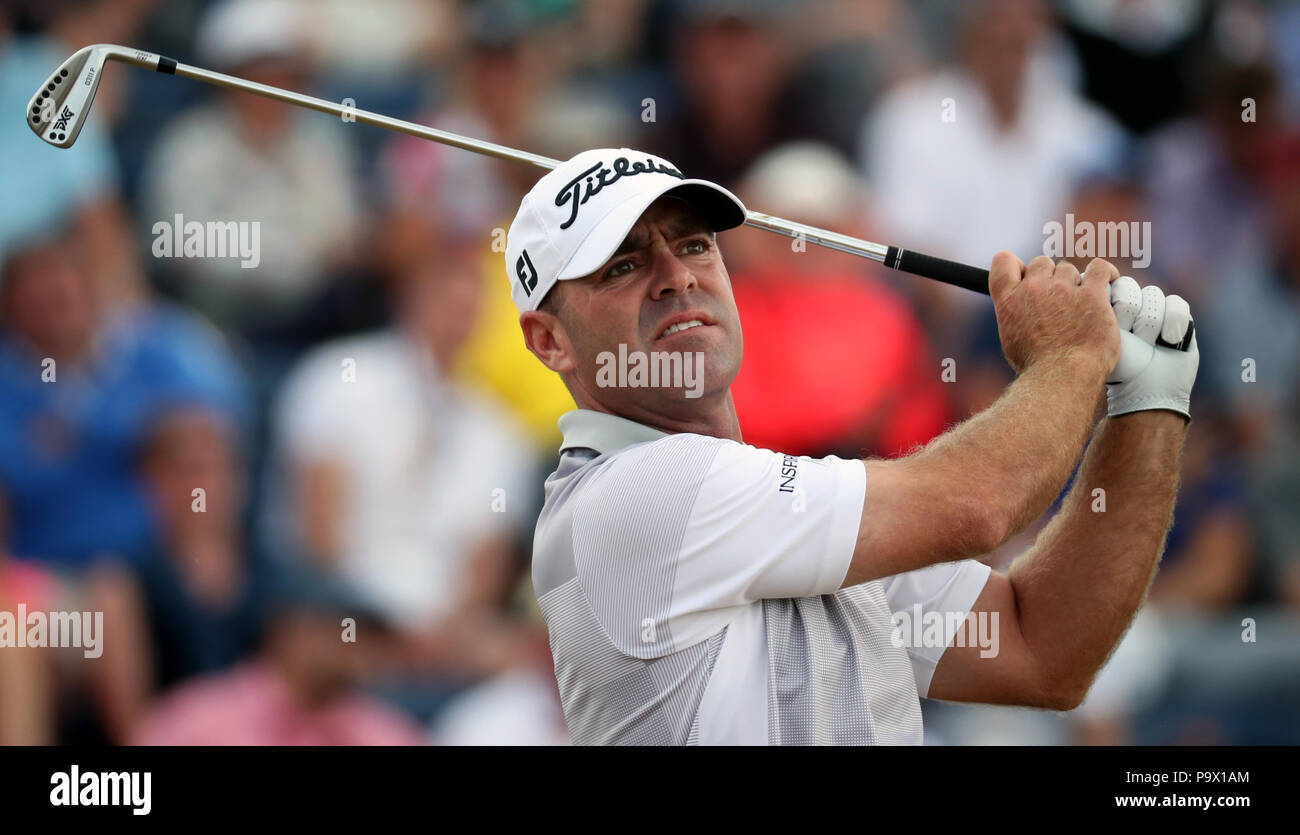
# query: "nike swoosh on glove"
[1155,370]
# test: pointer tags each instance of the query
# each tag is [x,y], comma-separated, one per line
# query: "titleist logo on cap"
[600,175]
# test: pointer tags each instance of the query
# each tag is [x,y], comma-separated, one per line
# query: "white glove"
[1152,372]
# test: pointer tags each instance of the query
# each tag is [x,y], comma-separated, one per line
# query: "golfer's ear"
[545,337]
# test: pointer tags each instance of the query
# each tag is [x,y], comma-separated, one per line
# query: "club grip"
[972,278]
[940,269]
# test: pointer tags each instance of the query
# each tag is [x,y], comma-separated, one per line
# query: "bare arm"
[28,684]
[122,680]
[321,493]
[982,482]
[1066,602]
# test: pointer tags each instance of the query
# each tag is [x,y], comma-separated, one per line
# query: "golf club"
[59,108]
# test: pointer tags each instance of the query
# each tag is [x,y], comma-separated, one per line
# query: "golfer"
[701,591]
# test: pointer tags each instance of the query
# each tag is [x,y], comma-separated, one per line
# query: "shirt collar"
[588,429]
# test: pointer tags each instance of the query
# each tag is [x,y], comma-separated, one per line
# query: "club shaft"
[927,266]
[821,237]
[366,117]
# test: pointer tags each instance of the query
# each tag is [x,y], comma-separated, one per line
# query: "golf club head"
[59,109]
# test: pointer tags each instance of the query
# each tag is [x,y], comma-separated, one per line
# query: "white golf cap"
[579,213]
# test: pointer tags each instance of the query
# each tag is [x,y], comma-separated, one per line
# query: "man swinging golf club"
[698,590]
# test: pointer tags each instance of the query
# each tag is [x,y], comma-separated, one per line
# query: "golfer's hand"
[1150,375]
[1047,311]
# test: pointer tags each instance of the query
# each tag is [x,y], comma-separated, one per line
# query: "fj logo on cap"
[527,273]
[599,175]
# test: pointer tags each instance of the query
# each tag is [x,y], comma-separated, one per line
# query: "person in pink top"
[300,690]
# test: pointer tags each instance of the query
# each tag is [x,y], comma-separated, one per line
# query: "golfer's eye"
[698,246]
[619,268]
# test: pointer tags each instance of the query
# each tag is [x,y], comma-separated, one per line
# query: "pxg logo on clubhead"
[58,109]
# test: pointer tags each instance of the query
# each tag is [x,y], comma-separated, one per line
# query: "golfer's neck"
[709,415]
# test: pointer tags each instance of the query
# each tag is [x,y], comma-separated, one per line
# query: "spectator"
[1255,364]
[405,485]
[192,602]
[807,309]
[1131,55]
[847,53]
[492,96]
[501,93]
[80,389]
[381,40]
[1209,552]
[981,154]
[494,358]
[1206,176]
[729,60]
[301,689]
[1253,308]
[248,159]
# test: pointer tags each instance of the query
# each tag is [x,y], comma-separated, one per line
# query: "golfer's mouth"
[682,322]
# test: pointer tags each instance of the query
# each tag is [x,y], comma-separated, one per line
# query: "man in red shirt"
[835,362]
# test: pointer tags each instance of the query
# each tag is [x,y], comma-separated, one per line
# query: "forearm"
[321,495]
[1013,458]
[1079,586]
[972,488]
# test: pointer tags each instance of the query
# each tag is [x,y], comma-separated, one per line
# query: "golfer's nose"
[670,275]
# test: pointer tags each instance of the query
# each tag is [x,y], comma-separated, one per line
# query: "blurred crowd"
[303,492]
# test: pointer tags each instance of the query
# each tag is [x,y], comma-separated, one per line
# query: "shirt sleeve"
[930,605]
[672,536]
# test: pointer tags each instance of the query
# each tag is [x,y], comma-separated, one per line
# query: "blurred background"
[228,462]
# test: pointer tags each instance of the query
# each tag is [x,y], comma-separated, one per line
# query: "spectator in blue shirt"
[79,387]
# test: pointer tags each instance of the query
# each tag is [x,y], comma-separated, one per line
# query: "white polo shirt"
[691,588]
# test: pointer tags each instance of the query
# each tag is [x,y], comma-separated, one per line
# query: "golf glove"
[1158,356]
